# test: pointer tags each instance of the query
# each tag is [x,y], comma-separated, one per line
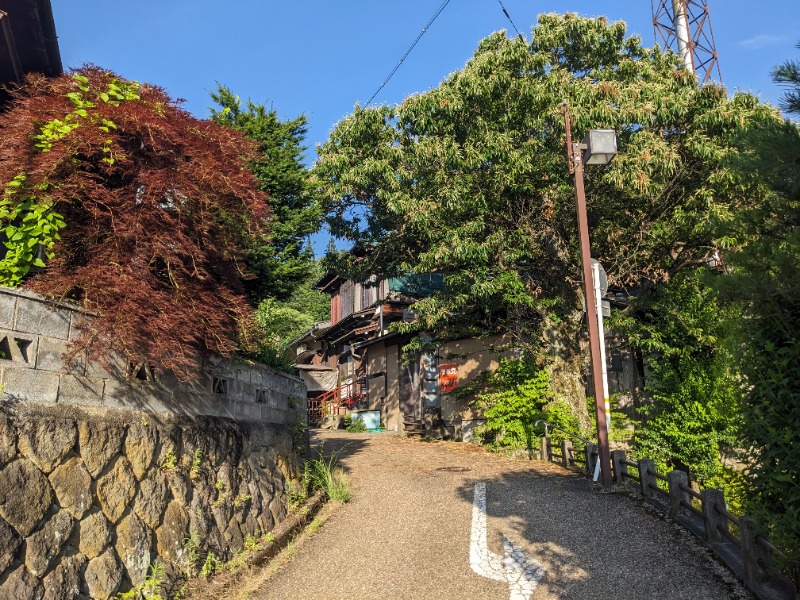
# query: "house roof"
[28,41]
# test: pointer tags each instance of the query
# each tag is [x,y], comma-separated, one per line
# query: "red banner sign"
[448,377]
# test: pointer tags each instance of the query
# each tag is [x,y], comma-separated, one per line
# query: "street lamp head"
[601,146]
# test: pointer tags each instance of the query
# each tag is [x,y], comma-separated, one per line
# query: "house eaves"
[28,40]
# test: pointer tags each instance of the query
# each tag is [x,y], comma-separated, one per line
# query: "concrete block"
[248,392]
[247,411]
[276,383]
[256,376]
[77,321]
[42,319]
[28,384]
[18,348]
[204,384]
[281,401]
[49,356]
[75,389]
[139,395]
[196,404]
[276,415]
[226,408]
[117,368]
[236,390]
[8,306]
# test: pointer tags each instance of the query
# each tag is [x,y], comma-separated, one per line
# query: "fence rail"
[746,552]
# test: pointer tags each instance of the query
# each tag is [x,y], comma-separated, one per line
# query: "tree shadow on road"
[588,540]
[337,444]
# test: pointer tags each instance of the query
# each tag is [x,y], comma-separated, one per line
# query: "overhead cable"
[419,37]
[505,12]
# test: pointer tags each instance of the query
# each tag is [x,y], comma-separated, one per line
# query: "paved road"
[414,523]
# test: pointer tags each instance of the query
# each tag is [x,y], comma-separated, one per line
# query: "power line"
[400,62]
[505,12]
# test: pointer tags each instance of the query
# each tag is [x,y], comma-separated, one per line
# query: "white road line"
[514,567]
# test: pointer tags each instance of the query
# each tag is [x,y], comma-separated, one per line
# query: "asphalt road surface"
[446,520]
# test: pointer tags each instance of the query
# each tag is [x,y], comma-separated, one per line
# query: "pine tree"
[287,259]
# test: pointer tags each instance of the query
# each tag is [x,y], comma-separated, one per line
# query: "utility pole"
[684,26]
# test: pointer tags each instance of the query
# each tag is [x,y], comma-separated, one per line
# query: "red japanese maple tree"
[158,209]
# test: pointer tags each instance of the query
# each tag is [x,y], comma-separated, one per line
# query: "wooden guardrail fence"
[734,539]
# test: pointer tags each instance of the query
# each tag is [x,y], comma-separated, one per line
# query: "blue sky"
[321,57]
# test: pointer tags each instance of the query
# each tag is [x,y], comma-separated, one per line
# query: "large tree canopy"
[470,179]
[155,210]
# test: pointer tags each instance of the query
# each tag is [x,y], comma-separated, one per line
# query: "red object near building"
[448,377]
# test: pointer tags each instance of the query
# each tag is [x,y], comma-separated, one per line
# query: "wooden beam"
[5,24]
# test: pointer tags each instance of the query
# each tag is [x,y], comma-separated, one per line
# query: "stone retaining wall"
[89,497]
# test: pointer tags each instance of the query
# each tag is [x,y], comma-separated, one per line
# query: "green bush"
[519,395]
[324,474]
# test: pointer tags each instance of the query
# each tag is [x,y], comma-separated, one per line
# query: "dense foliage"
[144,214]
[694,393]
[517,395]
[765,285]
[470,180]
[286,259]
[278,322]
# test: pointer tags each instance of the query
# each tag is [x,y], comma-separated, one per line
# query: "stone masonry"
[89,498]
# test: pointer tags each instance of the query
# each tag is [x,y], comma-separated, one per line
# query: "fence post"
[591,458]
[676,495]
[545,448]
[647,480]
[713,520]
[566,453]
[751,551]
[620,469]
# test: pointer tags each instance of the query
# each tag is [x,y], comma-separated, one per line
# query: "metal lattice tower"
[684,26]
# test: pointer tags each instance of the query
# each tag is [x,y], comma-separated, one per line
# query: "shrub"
[518,396]
[143,214]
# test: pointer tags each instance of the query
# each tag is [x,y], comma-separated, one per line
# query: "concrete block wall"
[34,338]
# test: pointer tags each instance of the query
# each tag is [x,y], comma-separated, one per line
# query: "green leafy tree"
[286,260]
[278,322]
[692,414]
[470,180]
[765,287]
